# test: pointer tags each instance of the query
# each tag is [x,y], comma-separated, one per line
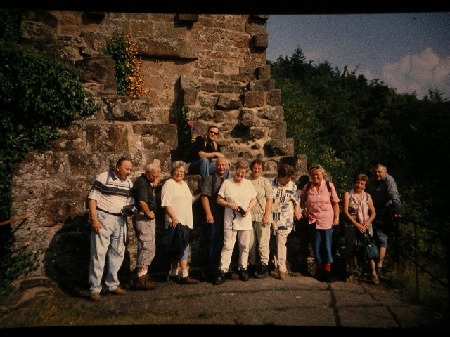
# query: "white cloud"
[418,73]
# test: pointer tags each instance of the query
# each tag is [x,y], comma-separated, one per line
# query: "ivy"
[117,49]
[38,95]
[124,52]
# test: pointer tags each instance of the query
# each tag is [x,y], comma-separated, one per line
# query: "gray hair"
[177,164]
[320,168]
[152,167]
[241,164]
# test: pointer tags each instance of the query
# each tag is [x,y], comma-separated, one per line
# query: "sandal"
[375,279]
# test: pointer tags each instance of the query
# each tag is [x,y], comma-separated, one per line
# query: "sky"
[409,52]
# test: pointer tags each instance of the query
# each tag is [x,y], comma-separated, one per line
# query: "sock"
[184,273]
[327,266]
[173,272]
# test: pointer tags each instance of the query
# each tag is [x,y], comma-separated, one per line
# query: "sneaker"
[219,279]
[118,291]
[95,297]
[243,275]
[188,280]
[284,275]
[141,283]
[263,271]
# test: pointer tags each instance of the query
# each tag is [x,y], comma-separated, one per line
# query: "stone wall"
[212,64]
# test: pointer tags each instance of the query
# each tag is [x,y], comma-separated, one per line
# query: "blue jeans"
[322,245]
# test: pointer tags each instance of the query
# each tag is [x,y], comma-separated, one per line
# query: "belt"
[115,214]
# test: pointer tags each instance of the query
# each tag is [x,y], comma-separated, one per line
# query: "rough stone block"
[261,41]
[253,99]
[274,97]
[107,138]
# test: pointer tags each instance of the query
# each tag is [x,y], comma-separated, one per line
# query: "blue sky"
[407,51]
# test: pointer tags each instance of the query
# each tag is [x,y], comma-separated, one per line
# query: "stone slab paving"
[296,302]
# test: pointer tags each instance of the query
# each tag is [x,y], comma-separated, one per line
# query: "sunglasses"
[214,133]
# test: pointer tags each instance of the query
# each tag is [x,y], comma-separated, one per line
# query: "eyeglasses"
[214,133]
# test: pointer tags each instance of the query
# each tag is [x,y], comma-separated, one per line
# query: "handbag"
[371,248]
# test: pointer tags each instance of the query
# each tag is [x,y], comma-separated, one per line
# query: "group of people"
[246,208]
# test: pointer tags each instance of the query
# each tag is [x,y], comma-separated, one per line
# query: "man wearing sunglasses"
[203,151]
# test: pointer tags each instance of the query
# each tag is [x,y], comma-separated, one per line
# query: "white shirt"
[240,194]
[179,196]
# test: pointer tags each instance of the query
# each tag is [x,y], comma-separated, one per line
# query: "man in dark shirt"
[144,224]
[386,200]
[214,215]
[204,150]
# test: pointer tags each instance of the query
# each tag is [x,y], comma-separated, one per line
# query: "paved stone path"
[297,302]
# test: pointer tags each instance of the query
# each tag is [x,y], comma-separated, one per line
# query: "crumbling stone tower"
[214,65]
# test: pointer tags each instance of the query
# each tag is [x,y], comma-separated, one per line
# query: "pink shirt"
[320,205]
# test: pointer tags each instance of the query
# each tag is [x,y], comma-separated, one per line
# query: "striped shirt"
[110,192]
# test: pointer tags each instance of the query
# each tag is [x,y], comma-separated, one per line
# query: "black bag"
[175,240]
[371,249]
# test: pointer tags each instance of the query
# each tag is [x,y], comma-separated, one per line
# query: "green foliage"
[347,123]
[38,95]
[9,25]
[123,59]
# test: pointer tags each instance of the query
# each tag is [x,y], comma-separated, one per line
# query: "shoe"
[318,275]
[172,278]
[188,280]
[251,270]
[141,283]
[219,279]
[325,276]
[118,291]
[243,275]
[232,275]
[284,275]
[375,279]
[263,271]
[95,297]
[274,273]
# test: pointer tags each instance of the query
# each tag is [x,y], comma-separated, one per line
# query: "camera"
[242,211]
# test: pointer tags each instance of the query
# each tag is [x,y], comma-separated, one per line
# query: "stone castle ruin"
[213,65]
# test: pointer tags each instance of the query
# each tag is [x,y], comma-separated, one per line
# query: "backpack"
[308,186]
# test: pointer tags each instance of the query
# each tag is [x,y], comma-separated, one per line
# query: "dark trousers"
[215,246]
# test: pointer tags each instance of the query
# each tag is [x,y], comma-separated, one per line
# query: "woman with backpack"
[320,204]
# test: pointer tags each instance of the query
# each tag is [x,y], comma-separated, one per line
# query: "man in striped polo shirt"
[108,196]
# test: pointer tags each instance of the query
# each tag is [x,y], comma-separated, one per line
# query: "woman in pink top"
[320,204]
